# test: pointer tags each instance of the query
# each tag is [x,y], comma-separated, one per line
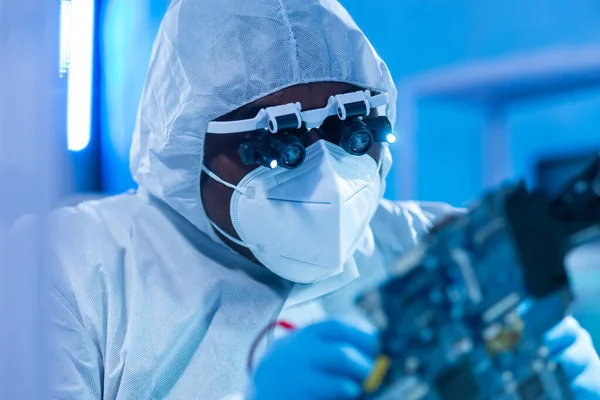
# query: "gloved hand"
[327,360]
[571,346]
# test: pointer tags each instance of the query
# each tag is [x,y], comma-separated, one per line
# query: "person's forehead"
[310,96]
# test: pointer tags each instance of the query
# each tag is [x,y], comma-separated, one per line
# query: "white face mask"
[304,224]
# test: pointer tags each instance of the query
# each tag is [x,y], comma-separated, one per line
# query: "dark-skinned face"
[222,158]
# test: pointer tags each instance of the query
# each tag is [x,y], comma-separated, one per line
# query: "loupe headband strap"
[291,116]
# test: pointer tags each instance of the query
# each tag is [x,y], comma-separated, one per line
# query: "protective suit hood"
[211,57]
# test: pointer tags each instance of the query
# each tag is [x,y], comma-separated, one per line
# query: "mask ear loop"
[221,181]
[234,240]
[215,226]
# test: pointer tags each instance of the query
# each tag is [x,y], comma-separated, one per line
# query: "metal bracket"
[353,105]
[286,116]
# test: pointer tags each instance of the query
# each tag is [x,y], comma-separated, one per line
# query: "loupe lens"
[292,155]
[288,151]
[360,142]
[355,138]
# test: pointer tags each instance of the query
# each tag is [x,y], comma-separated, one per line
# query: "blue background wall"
[415,36]
[127,33]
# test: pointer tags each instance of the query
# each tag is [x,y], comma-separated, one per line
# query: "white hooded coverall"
[149,303]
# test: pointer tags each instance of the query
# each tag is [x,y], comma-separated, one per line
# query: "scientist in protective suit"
[261,157]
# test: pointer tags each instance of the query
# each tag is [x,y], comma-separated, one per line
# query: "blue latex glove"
[571,346]
[328,360]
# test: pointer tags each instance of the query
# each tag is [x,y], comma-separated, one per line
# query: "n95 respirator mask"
[304,224]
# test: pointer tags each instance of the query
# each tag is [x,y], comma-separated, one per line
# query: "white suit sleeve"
[76,359]
[400,225]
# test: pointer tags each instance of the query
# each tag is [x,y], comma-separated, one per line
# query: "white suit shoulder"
[87,237]
[89,243]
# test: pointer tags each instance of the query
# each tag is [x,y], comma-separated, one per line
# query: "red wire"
[272,325]
[286,325]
